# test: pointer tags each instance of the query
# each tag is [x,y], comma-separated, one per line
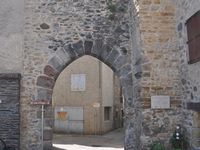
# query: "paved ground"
[110,141]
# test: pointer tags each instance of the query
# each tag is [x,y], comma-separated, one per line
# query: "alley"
[110,141]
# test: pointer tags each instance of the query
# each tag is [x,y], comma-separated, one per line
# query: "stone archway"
[118,61]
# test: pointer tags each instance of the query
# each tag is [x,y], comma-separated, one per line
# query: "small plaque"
[96,105]
[160,102]
[0,101]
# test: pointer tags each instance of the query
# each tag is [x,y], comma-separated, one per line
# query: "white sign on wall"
[96,105]
[78,82]
[160,102]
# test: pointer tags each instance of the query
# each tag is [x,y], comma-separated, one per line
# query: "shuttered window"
[193,30]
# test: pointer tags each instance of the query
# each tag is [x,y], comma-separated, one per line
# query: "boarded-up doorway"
[9,109]
[68,119]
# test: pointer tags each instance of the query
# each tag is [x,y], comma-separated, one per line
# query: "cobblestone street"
[110,141]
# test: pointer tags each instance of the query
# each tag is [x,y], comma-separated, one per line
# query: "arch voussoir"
[57,63]
[120,62]
[50,71]
[106,50]
[97,48]
[43,96]
[127,80]
[88,45]
[124,70]
[63,55]
[45,82]
[78,48]
[70,51]
[112,57]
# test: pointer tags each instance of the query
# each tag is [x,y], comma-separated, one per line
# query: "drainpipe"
[42,127]
[100,98]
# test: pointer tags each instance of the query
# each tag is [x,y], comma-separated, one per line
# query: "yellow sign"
[61,115]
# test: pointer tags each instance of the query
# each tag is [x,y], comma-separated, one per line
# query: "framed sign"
[78,82]
[160,102]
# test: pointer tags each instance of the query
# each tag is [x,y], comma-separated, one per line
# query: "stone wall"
[189,72]
[143,41]
[10,109]
[59,32]
[160,69]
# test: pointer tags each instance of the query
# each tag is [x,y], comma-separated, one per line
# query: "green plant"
[157,146]
[178,140]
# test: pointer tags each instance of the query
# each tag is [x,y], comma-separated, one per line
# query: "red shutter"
[193,30]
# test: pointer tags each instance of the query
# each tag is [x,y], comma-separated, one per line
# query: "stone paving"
[110,141]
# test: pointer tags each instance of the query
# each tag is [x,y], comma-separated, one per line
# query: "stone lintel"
[10,76]
[193,106]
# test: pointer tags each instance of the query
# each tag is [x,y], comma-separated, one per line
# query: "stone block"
[45,81]
[57,63]
[50,71]
[119,62]
[195,106]
[43,96]
[63,55]
[71,52]
[97,48]
[78,48]
[10,76]
[106,51]
[124,71]
[112,57]
[126,81]
[48,145]
[48,134]
[88,47]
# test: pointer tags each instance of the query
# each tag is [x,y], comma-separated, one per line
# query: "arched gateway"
[117,60]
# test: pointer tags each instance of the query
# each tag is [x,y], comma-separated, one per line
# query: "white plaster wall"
[63,96]
[11,35]
[107,95]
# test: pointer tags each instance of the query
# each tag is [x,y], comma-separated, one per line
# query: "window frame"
[107,113]
[193,35]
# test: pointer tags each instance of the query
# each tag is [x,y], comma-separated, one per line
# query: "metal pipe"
[42,127]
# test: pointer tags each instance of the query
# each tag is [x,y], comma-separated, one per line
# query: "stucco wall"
[107,95]
[63,96]
[11,35]
[99,89]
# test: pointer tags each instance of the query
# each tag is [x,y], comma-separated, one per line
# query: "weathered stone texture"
[143,41]
[10,109]
[57,33]
[159,70]
[189,72]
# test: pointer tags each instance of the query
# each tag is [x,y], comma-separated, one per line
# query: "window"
[193,30]
[107,113]
[78,82]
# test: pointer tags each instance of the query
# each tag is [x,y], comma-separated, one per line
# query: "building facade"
[90,101]
[144,42]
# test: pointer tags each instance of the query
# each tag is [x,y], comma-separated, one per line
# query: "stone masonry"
[190,80]
[56,34]
[9,109]
[143,41]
